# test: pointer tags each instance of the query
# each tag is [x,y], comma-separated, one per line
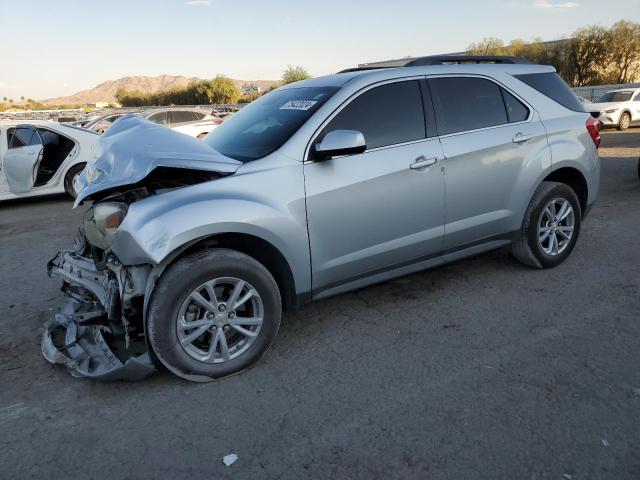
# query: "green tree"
[587,56]
[294,74]
[623,46]
[488,46]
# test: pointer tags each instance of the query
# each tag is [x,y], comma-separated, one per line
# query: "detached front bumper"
[91,336]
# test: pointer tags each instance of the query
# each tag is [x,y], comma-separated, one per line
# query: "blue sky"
[58,47]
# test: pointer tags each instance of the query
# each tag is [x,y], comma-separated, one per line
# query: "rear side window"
[466,103]
[551,85]
[198,115]
[386,115]
[516,111]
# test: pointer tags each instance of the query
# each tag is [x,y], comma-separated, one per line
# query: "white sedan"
[618,108]
[42,157]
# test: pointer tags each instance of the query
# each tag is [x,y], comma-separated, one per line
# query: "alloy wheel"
[220,320]
[556,226]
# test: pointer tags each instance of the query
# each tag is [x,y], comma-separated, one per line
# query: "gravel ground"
[482,369]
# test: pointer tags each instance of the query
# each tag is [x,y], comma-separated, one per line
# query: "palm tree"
[4,99]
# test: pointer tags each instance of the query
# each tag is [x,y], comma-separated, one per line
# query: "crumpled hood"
[133,147]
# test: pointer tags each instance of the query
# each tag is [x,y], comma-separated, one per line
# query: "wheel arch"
[257,248]
[575,179]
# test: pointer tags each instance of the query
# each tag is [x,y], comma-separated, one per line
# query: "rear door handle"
[521,138]
[421,163]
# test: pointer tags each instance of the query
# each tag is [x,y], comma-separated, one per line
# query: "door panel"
[489,179]
[21,160]
[20,165]
[372,211]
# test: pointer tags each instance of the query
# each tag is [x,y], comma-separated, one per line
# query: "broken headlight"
[103,223]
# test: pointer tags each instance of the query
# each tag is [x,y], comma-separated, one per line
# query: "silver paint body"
[354,220]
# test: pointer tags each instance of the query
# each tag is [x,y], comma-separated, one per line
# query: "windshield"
[615,97]
[265,125]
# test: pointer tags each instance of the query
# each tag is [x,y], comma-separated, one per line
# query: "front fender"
[156,227]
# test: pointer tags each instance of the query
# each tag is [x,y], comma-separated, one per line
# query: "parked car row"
[189,121]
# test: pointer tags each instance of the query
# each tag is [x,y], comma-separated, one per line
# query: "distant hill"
[105,92]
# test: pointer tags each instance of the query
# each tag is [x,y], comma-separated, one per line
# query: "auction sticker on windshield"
[298,105]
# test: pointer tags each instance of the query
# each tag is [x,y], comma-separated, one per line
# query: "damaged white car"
[42,157]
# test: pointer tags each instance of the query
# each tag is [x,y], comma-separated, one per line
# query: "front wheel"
[213,313]
[625,121]
[550,228]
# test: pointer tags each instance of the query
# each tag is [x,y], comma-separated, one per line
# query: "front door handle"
[521,138]
[421,163]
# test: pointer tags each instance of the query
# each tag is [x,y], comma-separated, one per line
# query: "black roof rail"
[461,59]
[360,69]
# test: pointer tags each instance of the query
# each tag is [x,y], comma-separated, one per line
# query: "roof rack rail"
[360,69]
[461,59]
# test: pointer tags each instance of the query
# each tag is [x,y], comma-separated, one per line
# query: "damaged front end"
[99,332]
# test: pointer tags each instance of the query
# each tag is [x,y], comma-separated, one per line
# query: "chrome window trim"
[484,77]
[344,104]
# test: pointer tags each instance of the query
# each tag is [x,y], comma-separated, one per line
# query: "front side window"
[266,124]
[466,103]
[386,115]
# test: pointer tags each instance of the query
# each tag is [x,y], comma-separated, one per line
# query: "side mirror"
[339,142]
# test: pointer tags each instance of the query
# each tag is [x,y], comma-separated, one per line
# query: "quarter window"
[516,111]
[465,103]
[386,115]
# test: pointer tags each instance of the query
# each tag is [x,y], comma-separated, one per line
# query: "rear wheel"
[213,314]
[202,135]
[69,179]
[625,121]
[550,228]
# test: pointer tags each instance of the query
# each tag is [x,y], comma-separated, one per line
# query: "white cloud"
[197,3]
[549,5]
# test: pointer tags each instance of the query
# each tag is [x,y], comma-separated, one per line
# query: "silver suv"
[192,249]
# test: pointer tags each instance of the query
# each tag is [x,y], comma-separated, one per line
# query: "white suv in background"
[618,108]
[193,122]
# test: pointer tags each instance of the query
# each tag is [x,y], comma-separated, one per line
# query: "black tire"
[68,179]
[527,248]
[201,135]
[177,283]
[625,121]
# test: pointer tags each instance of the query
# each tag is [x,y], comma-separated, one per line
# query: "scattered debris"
[605,442]
[636,391]
[567,476]
[449,325]
[230,459]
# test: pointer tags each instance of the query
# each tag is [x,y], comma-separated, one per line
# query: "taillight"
[593,127]
[217,121]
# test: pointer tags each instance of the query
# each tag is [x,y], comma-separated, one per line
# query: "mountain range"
[105,92]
